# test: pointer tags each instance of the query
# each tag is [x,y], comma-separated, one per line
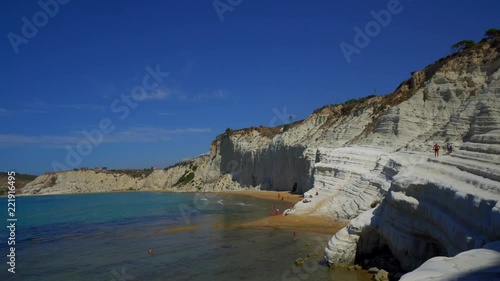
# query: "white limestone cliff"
[477,264]
[194,175]
[442,206]
[368,161]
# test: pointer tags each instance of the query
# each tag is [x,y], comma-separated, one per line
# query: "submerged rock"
[299,262]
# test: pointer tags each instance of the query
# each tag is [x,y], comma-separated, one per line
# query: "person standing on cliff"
[449,146]
[436,149]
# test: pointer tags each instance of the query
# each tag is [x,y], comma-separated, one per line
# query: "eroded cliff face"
[81,182]
[194,175]
[437,207]
[348,151]
[368,160]
[431,206]
[273,167]
[337,147]
[454,98]
[374,158]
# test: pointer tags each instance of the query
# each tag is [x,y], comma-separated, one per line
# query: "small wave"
[243,204]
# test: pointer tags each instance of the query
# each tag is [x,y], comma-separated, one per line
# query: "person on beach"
[294,237]
[436,149]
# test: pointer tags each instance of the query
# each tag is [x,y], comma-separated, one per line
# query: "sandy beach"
[270,195]
[316,224]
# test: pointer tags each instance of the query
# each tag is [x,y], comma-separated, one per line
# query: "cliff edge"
[368,160]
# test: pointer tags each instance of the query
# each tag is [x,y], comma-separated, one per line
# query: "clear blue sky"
[263,55]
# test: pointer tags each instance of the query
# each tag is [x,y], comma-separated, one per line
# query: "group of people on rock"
[437,147]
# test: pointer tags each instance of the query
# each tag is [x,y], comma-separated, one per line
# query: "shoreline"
[262,194]
[292,223]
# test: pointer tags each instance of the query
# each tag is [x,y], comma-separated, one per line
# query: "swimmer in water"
[151,251]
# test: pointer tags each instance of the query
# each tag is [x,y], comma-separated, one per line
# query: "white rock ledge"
[440,207]
[473,265]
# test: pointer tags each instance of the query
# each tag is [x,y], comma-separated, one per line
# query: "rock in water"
[299,262]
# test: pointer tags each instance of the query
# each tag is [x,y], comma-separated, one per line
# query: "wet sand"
[292,223]
[316,224]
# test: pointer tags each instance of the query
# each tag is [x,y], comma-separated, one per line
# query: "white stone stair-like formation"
[442,206]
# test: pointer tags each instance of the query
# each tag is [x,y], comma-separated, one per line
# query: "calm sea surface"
[107,237]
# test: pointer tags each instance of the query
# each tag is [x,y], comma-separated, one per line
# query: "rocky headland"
[368,161]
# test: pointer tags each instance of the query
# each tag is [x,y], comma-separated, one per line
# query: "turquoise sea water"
[107,237]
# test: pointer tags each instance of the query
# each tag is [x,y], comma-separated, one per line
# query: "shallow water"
[107,237]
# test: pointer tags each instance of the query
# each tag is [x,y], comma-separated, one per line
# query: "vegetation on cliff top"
[489,35]
[492,33]
[132,172]
[462,45]
[380,104]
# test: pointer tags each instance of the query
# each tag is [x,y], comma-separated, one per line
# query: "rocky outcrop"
[80,182]
[453,98]
[442,206]
[20,181]
[193,175]
[272,166]
[368,160]
[477,264]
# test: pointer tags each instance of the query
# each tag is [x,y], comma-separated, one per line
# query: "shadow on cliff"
[276,167]
[378,239]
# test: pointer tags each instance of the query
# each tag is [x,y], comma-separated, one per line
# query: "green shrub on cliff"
[185,179]
[135,173]
[462,45]
[492,33]
[349,104]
